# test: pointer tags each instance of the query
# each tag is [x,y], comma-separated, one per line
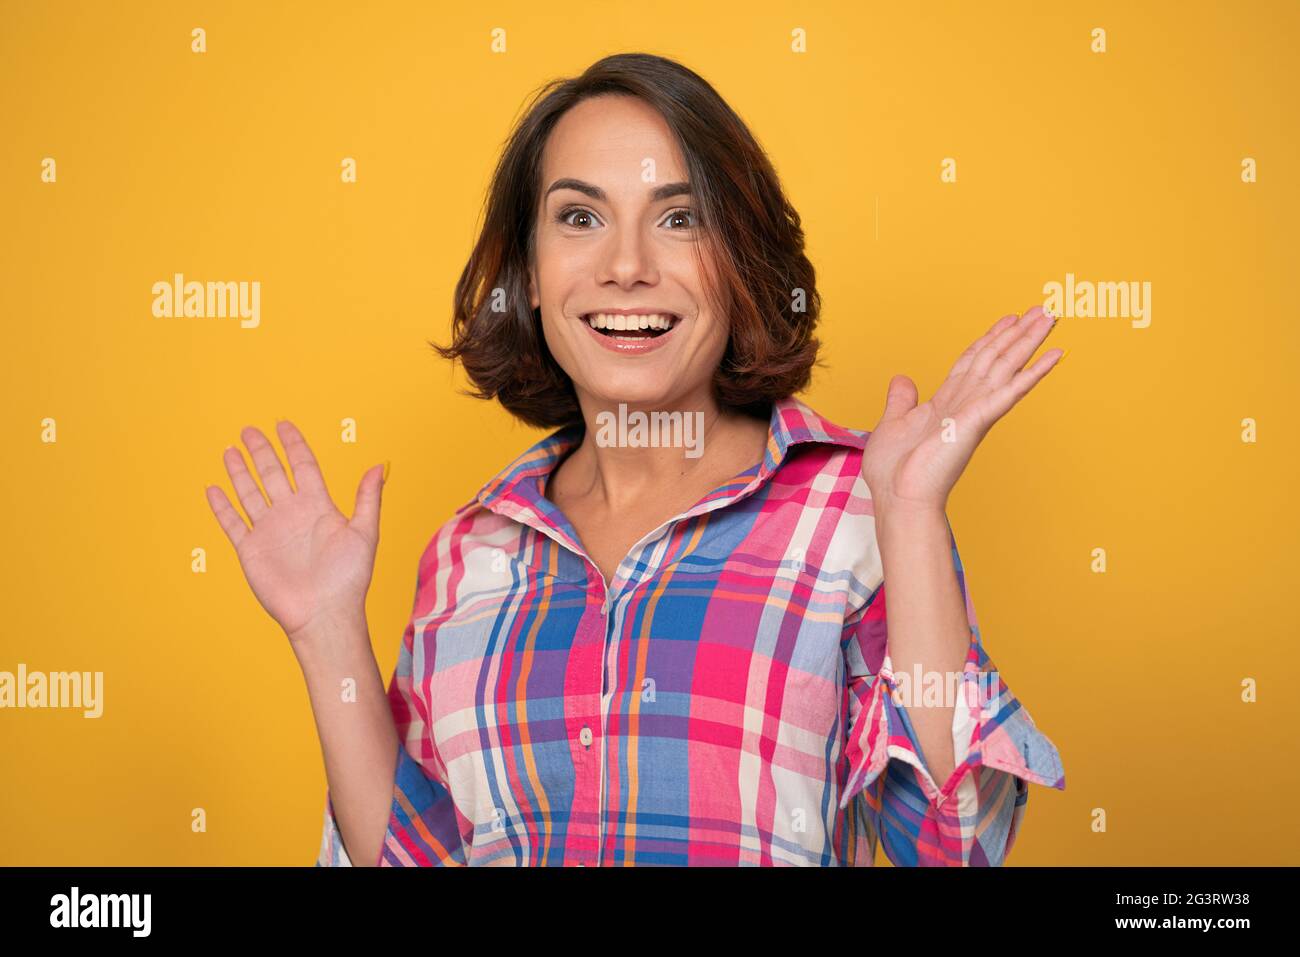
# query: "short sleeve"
[973,818]
[424,824]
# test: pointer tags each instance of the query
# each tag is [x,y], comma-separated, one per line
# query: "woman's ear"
[533,300]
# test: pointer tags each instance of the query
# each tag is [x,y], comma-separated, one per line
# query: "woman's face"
[614,233]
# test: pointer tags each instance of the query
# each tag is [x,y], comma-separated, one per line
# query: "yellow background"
[1122,166]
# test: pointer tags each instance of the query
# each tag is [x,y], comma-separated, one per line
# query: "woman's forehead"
[615,139]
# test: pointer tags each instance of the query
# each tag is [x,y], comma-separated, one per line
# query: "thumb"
[366,515]
[900,399]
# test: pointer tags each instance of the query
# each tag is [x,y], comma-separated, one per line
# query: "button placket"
[585,736]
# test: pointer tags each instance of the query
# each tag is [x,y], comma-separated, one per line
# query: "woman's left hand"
[916,453]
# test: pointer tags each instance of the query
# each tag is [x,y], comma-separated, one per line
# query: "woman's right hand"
[304,560]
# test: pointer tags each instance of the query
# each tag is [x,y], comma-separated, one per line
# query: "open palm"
[302,557]
[916,453]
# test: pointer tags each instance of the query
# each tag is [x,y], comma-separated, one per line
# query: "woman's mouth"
[631,328]
[632,335]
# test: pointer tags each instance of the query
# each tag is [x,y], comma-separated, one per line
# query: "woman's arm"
[355,724]
[927,625]
[911,461]
[310,566]
[924,813]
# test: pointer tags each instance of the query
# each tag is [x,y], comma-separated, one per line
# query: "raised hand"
[916,453]
[303,558]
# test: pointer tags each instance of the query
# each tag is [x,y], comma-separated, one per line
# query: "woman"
[659,646]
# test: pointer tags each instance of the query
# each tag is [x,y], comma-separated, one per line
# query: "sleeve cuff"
[423,825]
[990,728]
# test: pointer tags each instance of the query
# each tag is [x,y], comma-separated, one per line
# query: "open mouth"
[650,325]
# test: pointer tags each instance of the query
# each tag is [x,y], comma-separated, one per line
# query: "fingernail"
[385,479]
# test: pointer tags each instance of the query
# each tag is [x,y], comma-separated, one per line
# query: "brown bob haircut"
[745,219]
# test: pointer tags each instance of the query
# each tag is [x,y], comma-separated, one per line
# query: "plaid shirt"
[726,700]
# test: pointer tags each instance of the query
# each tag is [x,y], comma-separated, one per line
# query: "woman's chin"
[633,390]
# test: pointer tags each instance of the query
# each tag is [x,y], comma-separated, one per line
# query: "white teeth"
[651,320]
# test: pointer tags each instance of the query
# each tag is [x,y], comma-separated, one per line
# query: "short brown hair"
[749,224]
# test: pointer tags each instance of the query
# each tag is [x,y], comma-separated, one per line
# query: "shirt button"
[585,736]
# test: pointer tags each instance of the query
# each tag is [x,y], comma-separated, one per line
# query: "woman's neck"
[633,452]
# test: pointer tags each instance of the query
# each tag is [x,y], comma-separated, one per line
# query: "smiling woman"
[624,652]
[635,190]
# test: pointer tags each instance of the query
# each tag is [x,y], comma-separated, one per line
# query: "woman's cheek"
[563,348]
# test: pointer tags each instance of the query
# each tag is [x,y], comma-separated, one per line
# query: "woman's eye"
[579,213]
[687,214]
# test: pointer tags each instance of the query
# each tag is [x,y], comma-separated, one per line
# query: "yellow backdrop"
[950,161]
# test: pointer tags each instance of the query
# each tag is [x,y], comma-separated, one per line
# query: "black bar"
[857,910]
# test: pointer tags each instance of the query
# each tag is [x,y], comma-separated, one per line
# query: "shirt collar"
[516,491]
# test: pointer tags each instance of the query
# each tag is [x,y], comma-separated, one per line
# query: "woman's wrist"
[907,520]
[331,643]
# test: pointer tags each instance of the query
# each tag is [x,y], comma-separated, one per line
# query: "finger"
[365,517]
[1018,352]
[985,358]
[267,463]
[303,467]
[1008,395]
[964,359]
[900,398]
[231,522]
[250,496]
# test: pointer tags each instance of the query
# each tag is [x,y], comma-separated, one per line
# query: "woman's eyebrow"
[666,191]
